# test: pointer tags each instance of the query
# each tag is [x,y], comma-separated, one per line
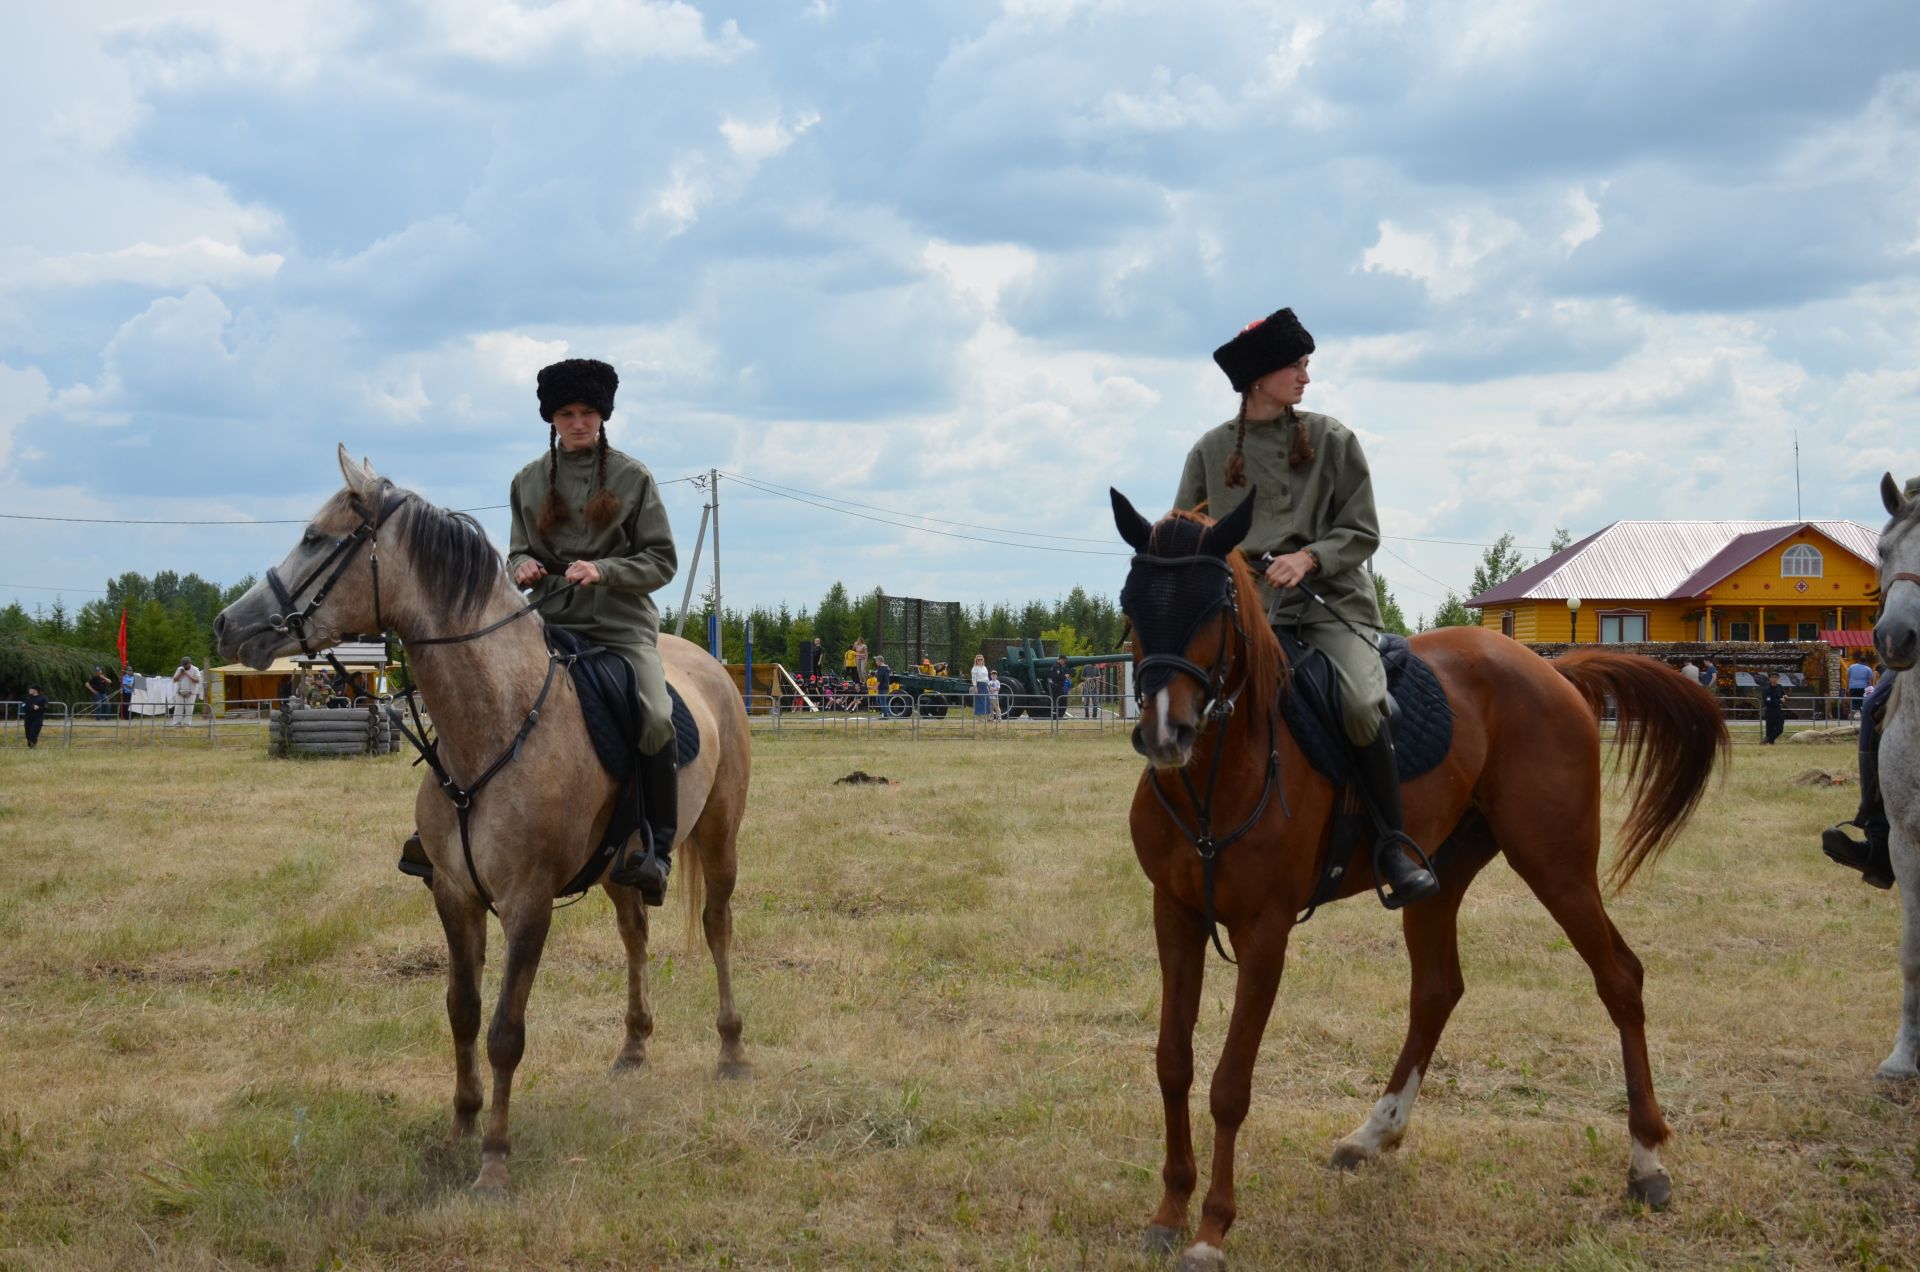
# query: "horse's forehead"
[339,508]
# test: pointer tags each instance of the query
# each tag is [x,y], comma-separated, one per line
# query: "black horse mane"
[456,564]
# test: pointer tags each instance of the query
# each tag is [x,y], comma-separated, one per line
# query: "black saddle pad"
[610,703]
[1422,718]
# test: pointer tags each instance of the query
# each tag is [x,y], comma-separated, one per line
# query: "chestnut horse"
[1523,778]
[375,558]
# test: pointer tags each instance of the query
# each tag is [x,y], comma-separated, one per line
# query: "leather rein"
[299,624]
[1221,703]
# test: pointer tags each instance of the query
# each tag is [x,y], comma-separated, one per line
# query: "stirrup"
[1412,888]
[413,860]
[641,868]
[1854,854]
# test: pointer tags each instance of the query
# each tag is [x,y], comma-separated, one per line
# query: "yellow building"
[1696,581]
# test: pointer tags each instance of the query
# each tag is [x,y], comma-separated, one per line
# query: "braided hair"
[602,510]
[1299,447]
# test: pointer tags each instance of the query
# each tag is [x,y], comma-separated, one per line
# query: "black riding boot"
[1405,881]
[1874,858]
[413,860]
[647,868]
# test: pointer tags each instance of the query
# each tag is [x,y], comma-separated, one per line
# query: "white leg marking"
[1643,1162]
[1386,1126]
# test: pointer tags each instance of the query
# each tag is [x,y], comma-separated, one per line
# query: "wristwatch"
[1313,557]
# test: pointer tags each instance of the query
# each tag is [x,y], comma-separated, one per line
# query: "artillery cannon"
[1024,668]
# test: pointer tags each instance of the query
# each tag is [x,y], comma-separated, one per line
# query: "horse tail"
[1671,732]
[693,886]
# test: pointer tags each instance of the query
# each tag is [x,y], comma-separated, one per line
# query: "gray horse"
[1897,635]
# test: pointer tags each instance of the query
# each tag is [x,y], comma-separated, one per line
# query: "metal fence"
[247,722]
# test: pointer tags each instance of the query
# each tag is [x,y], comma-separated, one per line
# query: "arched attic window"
[1801,561]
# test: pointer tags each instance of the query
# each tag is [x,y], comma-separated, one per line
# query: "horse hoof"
[629,1064]
[1201,1257]
[1654,1191]
[1896,1071]
[733,1070]
[1159,1240]
[1349,1157]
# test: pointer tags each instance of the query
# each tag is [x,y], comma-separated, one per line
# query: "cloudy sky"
[965,261]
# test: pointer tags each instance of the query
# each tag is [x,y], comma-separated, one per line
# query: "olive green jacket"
[635,551]
[1327,508]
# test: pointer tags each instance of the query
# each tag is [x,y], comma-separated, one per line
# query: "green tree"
[1453,612]
[1391,616]
[1071,643]
[1561,540]
[1498,563]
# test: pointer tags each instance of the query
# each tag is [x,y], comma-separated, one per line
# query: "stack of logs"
[302,730]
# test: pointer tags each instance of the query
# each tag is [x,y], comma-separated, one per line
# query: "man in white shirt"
[186,687]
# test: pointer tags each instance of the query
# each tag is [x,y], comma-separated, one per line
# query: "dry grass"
[225,1043]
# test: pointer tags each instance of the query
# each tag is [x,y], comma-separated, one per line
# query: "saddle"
[1416,705]
[610,706]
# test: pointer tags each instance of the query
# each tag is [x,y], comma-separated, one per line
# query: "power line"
[751,484]
[41,587]
[232,521]
[1417,570]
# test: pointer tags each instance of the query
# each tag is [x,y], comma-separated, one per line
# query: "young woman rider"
[1314,516]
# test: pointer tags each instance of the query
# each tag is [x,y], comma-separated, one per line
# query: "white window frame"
[1802,561]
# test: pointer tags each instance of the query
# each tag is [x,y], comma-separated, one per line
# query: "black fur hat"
[1276,341]
[585,380]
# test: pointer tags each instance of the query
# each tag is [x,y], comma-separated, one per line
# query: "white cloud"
[22,392]
[156,265]
[1446,259]
[759,142]
[512,31]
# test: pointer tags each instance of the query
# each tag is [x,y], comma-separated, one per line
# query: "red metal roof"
[1649,560]
[1848,640]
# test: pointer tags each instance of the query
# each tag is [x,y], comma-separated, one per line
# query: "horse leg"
[631,916]
[716,920]
[526,928]
[1574,902]
[466,927]
[1182,938]
[1904,1061]
[1262,952]
[1432,935]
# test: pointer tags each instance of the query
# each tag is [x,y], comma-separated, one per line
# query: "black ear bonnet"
[1168,597]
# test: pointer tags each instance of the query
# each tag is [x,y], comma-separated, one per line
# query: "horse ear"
[361,479]
[1890,496]
[1133,527]
[1225,535]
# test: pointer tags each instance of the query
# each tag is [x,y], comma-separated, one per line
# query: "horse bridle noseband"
[1219,709]
[298,623]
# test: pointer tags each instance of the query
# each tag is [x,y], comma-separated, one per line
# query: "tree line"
[171,615]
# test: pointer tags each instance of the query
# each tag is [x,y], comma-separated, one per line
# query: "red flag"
[122,643]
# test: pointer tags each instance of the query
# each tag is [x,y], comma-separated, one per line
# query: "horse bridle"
[1219,709]
[298,623]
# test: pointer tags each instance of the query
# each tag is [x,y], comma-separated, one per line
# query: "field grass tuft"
[226,1043]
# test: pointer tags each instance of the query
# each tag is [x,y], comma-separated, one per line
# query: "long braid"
[1300,451]
[604,508]
[554,511]
[1237,462]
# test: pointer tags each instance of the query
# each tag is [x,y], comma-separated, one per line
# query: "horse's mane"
[455,564]
[1178,533]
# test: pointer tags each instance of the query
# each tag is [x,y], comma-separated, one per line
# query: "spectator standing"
[882,681]
[860,657]
[1859,677]
[1092,685]
[819,657]
[980,675]
[993,694]
[1773,707]
[1062,683]
[33,714]
[1709,674]
[1690,671]
[186,687]
[101,685]
[127,683]
[848,662]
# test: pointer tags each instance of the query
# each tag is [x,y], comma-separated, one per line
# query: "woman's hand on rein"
[584,573]
[529,573]
[1287,571]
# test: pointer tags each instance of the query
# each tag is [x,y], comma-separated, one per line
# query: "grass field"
[225,1044]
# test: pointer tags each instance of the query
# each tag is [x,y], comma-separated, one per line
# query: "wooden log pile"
[295,729]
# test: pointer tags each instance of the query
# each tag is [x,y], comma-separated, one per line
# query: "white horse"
[1897,635]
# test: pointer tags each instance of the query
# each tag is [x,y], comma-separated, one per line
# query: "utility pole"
[713,478]
[693,568]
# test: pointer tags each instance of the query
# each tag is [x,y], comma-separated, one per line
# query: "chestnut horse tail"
[1670,729]
[693,881]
